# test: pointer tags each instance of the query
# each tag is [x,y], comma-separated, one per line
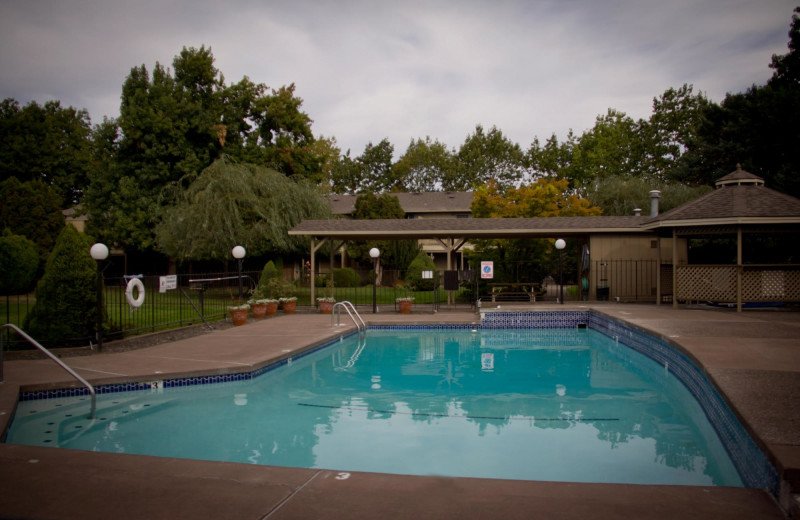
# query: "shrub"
[65,311]
[346,277]
[268,285]
[19,261]
[414,273]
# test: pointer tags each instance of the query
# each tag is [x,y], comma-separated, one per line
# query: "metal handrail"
[336,312]
[51,356]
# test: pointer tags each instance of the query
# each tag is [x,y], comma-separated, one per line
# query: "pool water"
[536,404]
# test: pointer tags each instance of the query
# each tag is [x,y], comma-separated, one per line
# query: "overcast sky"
[405,70]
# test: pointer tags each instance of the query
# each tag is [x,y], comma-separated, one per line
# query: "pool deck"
[753,357]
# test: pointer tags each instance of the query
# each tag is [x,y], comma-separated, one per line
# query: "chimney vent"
[637,212]
[654,196]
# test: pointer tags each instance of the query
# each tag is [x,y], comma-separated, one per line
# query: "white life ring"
[134,283]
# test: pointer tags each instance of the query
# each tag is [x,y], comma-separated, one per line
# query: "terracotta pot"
[272,308]
[239,316]
[289,307]
[326,307]
[259,310]
[404,307]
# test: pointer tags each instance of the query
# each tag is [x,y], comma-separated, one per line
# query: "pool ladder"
[336,316]
[51,356]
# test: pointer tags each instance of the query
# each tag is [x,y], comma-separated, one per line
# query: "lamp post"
[238,253]
[99,252]
[560,245]
[375,253]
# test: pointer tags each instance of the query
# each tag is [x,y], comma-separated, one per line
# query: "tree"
[620,195]
[65,312]
[31,209]
[525,260]
[424,166]
[238,204]
[414,279]
[369,172]
[395,253]
[173,125]
[486,156]
[48,143]
[19,262]
[787,66]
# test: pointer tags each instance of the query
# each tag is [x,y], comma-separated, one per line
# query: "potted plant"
[239,313]
[404,304]
[288,304]
[326,302]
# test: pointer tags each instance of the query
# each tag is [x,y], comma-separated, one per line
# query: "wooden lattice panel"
[771,285]
[707,283]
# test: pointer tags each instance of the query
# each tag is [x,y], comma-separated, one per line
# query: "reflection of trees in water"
[435,377]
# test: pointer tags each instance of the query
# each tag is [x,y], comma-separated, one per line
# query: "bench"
[525,292]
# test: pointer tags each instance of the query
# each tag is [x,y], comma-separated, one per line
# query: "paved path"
[753,357]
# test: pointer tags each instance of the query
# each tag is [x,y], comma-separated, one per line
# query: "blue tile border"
[754,468]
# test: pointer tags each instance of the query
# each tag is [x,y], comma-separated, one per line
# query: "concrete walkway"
[753,358]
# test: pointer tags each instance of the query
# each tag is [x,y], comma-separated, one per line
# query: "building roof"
[414,202]
[467,227]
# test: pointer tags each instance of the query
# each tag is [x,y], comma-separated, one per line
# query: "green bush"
[414,273]
[65,311]
[268,286]
[19,261]
[346,277]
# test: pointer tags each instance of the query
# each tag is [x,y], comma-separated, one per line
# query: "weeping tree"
[237,204]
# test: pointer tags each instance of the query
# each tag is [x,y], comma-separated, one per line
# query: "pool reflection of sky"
[567,405]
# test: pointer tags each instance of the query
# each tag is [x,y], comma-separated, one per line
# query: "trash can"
[602,293]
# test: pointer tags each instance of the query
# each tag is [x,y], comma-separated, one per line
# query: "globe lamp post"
[238,253]
[375,254]
[99,252]
[560,245]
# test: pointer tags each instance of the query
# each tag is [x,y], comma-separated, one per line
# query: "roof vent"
[654,196]
[637,212]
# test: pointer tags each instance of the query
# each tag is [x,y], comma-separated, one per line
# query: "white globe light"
[374,252]
[560,244]
[99,251]
[238,252]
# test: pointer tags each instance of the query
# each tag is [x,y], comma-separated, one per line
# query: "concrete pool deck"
[753,357]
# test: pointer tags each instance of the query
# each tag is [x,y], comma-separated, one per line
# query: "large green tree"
[33,210]
[232,204]
[396,254]
[424,166]
[173,124]
[47,143]
[486,156]
[369,172]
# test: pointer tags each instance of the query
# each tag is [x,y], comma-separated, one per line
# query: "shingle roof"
[734,202]
[467,227]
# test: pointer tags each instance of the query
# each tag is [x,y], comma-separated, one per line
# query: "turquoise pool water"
[543,404]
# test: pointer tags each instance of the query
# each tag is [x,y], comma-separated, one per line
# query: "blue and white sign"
[487,269]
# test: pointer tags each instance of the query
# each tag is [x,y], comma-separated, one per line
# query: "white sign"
[165,283]
[487,270]
[487,361]
[427,275]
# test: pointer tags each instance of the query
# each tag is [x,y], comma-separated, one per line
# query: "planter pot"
[259,310]
[289,307]
[271,308]
[404,307]
[326,307]
[239,316]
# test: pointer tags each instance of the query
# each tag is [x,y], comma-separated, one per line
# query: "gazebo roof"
[740,198]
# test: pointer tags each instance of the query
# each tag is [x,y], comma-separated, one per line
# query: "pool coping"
[386,319]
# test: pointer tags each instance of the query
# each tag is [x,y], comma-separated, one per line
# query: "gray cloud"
[369,70]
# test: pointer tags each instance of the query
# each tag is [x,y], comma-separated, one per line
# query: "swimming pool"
[543,404]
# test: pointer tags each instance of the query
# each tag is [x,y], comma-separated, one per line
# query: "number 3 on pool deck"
[342,476]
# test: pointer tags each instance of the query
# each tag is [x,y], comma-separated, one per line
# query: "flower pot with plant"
[404,304]
[289,304]
[326,302]
[239,313]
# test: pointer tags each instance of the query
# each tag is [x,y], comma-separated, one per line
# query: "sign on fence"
[165,283]
[487,269]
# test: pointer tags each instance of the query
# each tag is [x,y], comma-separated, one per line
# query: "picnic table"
[510,291]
